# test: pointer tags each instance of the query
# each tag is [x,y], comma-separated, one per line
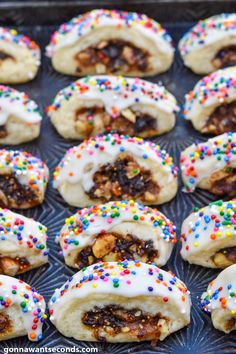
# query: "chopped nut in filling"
[115,247]
[14,193]
[225,257]
[3,131]
[231,324]
[128,122]
[113,56]
[5,323]
[115,319]
[225,57]
[226,184]
[13,266]
[124,179]
[222,120]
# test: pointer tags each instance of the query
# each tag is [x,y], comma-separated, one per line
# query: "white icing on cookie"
[201,160]
[221,292]
[81,228]
[118,93]
[204,228]
[71,31]
[22,235]
[31,304]
[18,104]
[29,170]
[208,31]
[212,89]
[104,149]
[128,279]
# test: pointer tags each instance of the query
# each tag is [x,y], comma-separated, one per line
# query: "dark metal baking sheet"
[39,19]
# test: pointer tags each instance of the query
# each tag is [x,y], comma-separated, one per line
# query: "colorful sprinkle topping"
[209,224]
[97,18]
[217,153]
[120,89]
[213,88]
[89,220]
[128,277]
[11,35]
[32,306]
[207,31]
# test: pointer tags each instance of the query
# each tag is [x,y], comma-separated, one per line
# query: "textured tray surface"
[199,337]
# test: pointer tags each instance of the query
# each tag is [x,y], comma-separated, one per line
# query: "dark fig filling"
[113,56]
[226,56]
[225,257]
[117,248]
[13,193]
[124,179]
[226,184]
[230,325]
[3,131]
[115,319]
[128,122]
[13,266]
[222,120]
[4,56]
[5,323]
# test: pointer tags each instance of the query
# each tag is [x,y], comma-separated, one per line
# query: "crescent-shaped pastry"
[22,310]
[114,167]
[94,105]
[23,179]
[211,105]
[210,44]
[219,300]
[22,243]
[120,302]
[19,57]
[117,231]
[208,235]
[111,41]
[20,118]
[211,165]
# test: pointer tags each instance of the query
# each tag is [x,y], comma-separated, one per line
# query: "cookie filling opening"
[225,257]
[13,193]
[113,247]
[5,323]
[226,56]
[3,131]
[230,324]
[128,122]
[112,56]
[115,319]
[4,56]
[222,120]
[123,179]
[226,184]
[13,266]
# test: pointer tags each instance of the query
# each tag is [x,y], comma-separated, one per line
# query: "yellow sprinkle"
[196,244]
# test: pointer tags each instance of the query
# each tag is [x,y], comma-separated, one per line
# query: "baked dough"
[219,300]
[20,118]
[22,310]
[111,41]
[210,44]
[94,105]
[208,235]
[211,165]
[211,105]
[120,302]
[114,167]
[23,179]
[19,57]
[117,231]
[22,243]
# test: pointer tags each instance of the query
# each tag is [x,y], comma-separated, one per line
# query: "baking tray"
[39,20]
